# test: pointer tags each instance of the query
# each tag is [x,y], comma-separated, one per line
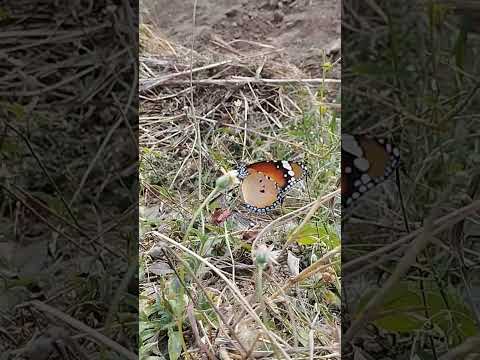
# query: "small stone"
[273,3]
[231,13]
[277,16]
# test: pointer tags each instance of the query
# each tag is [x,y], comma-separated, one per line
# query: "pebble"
[278,16]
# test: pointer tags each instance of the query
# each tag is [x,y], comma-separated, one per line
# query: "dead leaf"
[160,268]
[249,235]
[220,215]
[293,264]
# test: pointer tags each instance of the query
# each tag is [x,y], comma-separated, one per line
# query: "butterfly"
[366,162]
[264,184]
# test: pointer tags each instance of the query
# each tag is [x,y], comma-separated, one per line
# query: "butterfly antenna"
[402,203]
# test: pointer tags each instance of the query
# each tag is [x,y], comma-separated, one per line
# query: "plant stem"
[198,211]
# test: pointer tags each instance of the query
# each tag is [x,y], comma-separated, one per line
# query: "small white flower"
[265,255]
[230,178]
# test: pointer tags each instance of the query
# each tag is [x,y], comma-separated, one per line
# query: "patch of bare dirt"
[300,30]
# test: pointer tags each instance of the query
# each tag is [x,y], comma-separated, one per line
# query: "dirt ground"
[302,28]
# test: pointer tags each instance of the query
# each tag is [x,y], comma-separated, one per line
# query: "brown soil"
[302,28]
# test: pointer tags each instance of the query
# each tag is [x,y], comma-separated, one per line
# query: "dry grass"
[416,83]
[212,289]
[67,162]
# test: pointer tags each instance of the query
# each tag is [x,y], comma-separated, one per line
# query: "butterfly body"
[265,183]
[366,162]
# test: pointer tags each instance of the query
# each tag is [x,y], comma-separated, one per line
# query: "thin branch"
[440,225]
[234,81]
[94,334]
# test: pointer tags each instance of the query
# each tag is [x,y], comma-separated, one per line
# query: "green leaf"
[18,110]
[331,298]
[333,125]
[4,15]
[403,311]
[310,234]
[399,300]
[307,235]
[332,241]
[460,51]
[438,13]
[174,344]
[303,335]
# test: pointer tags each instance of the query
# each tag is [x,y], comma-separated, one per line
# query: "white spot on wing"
[365,178]
[361,164]
[286,165]
[351,145]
